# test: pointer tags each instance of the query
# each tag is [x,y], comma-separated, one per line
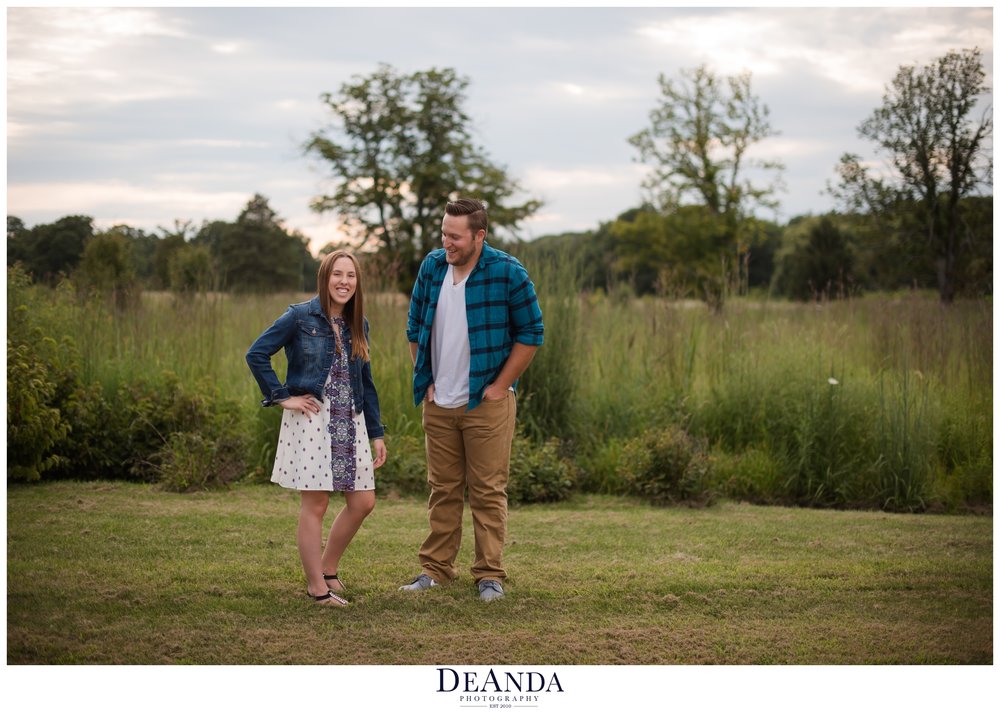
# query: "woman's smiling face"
[343,283]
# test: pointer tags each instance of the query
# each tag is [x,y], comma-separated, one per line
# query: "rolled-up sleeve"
[525,312]
[258,357]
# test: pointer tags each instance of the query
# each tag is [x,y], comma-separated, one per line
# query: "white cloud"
[227,47]
[105,196]
[781,148]
[589,92]
[321,229]
[554,97]
[220,143]
[540,43]
[24,129]
[55,37]
[580,198]
[543,178]
[854,48]
[723,40]
[543,219]
[57,57]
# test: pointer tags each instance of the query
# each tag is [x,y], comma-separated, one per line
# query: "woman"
[331,414]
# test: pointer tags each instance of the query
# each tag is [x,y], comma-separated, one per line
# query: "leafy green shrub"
[964,450]
[599,468]
[35,427]
[965,488]
[668,466]
[264,429]
[753,476]
[41,375]
[538,473]
[190,461]
[94,448]
[130,434]
[158,409]
[405,469]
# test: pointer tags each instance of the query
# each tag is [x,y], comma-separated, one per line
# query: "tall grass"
[877,402]
[549,389]
[854,403]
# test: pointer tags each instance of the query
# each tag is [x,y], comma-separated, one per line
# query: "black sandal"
[327,596]
[333,577]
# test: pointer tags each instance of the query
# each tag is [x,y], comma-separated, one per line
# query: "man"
[474,326]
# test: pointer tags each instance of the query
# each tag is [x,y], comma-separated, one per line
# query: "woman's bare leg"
[357,506]
[309,536]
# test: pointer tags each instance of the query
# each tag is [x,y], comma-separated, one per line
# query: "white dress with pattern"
[311,454]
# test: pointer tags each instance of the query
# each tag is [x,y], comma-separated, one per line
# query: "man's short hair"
[475,209]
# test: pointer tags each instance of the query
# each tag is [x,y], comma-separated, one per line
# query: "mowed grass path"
[123,573]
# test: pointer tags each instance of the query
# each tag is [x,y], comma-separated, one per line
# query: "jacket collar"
[315,307]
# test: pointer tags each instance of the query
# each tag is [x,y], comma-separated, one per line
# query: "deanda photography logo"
[493,688]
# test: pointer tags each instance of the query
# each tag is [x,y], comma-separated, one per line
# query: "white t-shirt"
[450,358]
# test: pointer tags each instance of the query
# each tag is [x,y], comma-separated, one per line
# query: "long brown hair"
[354,310]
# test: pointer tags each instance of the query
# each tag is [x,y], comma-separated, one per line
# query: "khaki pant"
[467,449]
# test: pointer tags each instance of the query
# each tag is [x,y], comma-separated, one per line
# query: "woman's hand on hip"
[378,449]
[307,405]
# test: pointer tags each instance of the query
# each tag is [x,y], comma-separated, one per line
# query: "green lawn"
[116,573]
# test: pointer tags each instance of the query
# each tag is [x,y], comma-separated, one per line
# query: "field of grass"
[118,573]
[883,401]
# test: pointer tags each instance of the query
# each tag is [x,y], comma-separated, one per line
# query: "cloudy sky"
[147,115]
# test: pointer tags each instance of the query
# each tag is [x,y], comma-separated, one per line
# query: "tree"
[641,249]
[143,251]
[400,147]
[49,250]
[591,252]
[681,253]
[170,241]
[697,146]
[190,269]
[818,261]
[256,253]
[166,248]
[762,260]
[937,154]
[108,267]
[18,241]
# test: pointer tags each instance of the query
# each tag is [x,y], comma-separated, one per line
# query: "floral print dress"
[328,451]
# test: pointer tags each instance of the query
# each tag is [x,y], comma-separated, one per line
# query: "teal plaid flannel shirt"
[501,306]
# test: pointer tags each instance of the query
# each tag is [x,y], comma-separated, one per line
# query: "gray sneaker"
[420,583]
[490,590]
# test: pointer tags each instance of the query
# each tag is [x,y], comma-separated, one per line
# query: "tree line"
[400,145]
[254,253]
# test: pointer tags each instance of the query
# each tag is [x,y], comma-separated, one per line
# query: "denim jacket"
[310,346]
